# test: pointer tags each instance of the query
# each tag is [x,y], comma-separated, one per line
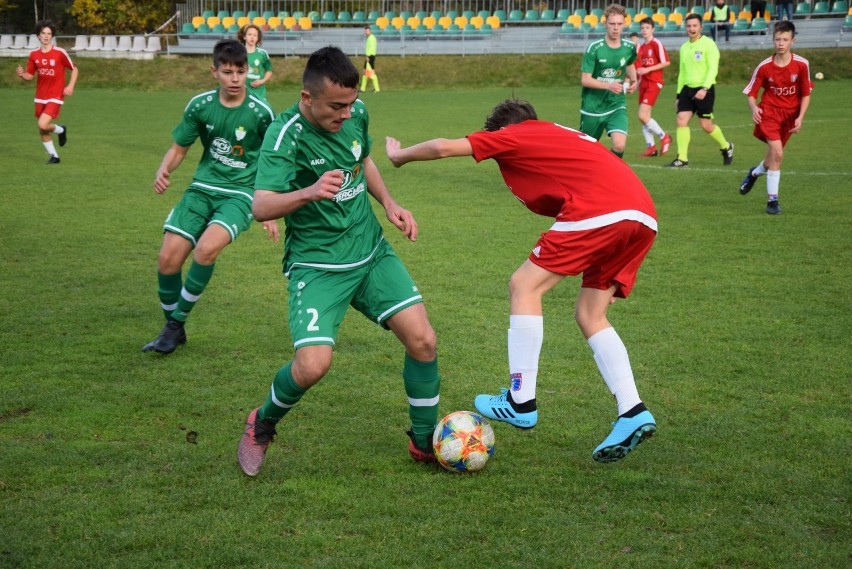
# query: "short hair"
[41,24]
[693,16]
[510,111]
[229,51]
[784,26]
[614,9]
[332,64]
[647,20]
[241,35]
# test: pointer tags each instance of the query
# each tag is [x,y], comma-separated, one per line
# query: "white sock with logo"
[614,365]
[526,334]
[654,127]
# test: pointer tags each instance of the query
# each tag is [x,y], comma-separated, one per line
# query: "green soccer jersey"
[699,64]
[231,137]
[258,64]
[336,234]
[607,64]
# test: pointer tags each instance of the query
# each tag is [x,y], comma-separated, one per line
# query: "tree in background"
[120,16]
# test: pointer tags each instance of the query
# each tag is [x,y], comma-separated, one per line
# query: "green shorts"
[595,125]
[197,210]
[319,299]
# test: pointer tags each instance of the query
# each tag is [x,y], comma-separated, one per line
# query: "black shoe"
[772,207]
[169,339]
[678,163]
[728,154]
[53,160]
[748,181]
[63,136]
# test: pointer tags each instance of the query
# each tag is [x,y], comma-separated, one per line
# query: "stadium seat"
[219,29]
[288,22]
[33,42]
[682,10]
[397,22]
[234,29]
[803,9]
[591,19]
[575,20]
[81,43]
[697,10]
[382,22]
[267,14]
[821,8]
[444,22]
[213,20]
[516,16]
[840,7]
[252,14]
[153,45]
[305,23]
[273,22]
[228,21]
[665,11]
[454,30]
[484,14]
[485,30]
[237,14]
[562,14]
[373,15]
[676,17]
[477,22]
[6,41]
[759,25]
[207,13]
[741,25]
[413,21]
[139,42]
[429,22]
[197,21]
[95,43]
[328,17]
[344,16]
[359,17]
[547,15]
[124,43]
[671,27]
[532,16]
[258,21]
[390,15]
[460,21]
[492,21]
[597,12]
[501,14]
[659,19]
[22,39]
[453,14]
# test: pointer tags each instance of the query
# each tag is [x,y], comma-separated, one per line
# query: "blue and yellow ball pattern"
[463,441]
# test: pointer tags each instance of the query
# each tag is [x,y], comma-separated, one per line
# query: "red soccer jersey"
[783,87]
[49,68]
[651,54]
[562,173]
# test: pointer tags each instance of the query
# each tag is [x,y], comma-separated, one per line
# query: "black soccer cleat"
[53,160]
[169,339]
[63,136]
[772,207]
[728,154]
[748,181]
[677,163]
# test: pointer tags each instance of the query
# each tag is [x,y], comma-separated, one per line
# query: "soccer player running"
[606,74]
[216,207]
[370,51]
[786,82]
[317,173]
[49,64]
[651,60]
[696,92]
[605,224]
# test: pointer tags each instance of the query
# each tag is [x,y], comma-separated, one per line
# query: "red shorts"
[606,256]
[776,124]
[649,91]
[51,109]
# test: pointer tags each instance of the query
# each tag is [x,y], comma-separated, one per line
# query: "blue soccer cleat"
[499,408]
[625,435]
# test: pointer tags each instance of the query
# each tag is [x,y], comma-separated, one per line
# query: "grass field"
[738,331]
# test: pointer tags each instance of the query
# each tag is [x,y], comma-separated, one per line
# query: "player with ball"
[605,224]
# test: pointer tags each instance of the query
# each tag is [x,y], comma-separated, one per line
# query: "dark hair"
[694,16]
[41,24]
[229,51]
[241,35]
[784,26]
[510,111]
[332,64]
[646,21]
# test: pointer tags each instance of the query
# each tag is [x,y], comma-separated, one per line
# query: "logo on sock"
[516,379]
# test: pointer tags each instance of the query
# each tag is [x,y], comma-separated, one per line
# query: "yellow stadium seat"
[493,21]
[746,15]
[382,22]
[445,22]
[429,22]
[591,19]
[242,21]
[676,17]
[274,22]
[197,21]
[460,21]
[477,21]
[228,21]
[413,22]
[259,21]
[575,20]
[289,22]
[659,19]
[706,16]
[397,22]
[305,23]
[213,21]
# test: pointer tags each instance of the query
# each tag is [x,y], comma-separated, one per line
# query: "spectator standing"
[49,64]
[784,10]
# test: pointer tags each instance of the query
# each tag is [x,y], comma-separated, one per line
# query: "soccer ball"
[463,442]
[819,76]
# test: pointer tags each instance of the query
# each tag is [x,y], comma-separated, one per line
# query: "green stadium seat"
[344,16]
[485,30]
[671,27]
[373,15]
[222,14]
[359,17]
[821,8]
[649,11]
[532,16]
[566,28]
[238,14]
[840,7]
[453,14]
[187,28]
[848,21]
[597,12]
[682,10]
[203,29]
[484,14]
[803,9]
[218,29]
[328,17]
[548,15]
[233,28]
[420,14]
[516,16]
[405,14]
[562,14]
[582,12]
[759,24]
[208,14]
[252,14]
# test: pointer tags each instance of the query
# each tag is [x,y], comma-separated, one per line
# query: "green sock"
[719,138]
[196,280]
[683,135]
[422,385]
[282,397]
[169,291]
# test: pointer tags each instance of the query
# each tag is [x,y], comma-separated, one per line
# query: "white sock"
[759,170]
[526,334]
[614,365]
[773,180]
[50,148]
[58,129]
[655,128]
[649,136]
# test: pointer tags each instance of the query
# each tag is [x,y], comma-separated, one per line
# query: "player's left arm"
[396,214]
[69,89]
[429,150]
[806,100]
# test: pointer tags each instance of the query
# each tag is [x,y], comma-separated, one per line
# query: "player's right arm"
[268,204]
[590,82]
[173,158]
[434,149]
